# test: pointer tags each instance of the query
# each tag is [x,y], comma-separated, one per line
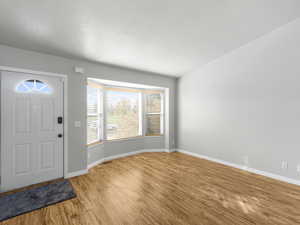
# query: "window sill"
[125,139]
[155,135]
[95,143]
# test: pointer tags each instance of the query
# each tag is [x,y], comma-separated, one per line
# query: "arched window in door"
[33,86]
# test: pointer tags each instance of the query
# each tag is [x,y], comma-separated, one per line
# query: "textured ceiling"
[170,37]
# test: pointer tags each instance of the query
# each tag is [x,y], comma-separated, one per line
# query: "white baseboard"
[93,164]
[125,155]
[252,170]
[76,173]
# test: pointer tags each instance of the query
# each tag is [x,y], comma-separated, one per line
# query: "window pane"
[33,86]
[92,100]
[122,114]
[92,129]
[153,103]
[93,119]
[153,113]
[153,125]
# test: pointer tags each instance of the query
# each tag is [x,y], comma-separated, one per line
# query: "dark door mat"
[36,198]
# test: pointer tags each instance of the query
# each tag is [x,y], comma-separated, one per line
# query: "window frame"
[105,103]
[161,113]
[102,100]
[99,113]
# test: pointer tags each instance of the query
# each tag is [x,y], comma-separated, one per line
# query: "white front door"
[32,132]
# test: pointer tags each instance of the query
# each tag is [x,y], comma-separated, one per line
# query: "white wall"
[19,58]
[246,103]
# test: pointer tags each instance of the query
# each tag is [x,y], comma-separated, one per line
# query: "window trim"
[142,111]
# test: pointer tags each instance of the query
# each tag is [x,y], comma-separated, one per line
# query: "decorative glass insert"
[33,86]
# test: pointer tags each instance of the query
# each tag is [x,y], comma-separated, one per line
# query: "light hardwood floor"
[171,189]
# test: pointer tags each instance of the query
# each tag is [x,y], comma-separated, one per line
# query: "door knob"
[59,135]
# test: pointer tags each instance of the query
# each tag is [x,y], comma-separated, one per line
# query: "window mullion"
[162,110]
[104,112]
[98,116]
[141,114]
[145,114]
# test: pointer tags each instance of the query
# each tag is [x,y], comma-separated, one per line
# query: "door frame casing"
[64,79]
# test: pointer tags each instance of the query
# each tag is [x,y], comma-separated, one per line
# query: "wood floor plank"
[171,189]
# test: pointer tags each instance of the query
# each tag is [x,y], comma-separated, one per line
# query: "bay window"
[117,113]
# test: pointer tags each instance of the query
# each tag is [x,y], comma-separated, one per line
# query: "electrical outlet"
[284,165]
